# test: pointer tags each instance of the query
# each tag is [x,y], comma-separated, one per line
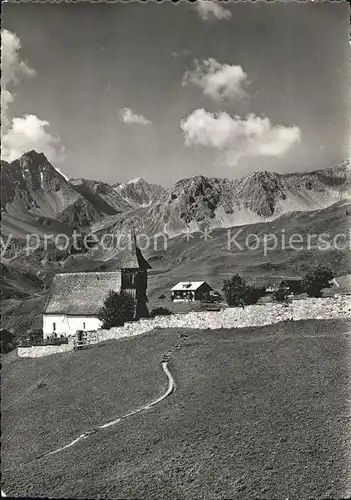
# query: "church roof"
[84,293]
[81,293]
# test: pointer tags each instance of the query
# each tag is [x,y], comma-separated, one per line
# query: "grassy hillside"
[257,412]
[49,401]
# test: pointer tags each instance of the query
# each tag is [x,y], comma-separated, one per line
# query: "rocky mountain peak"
[33,158]
[138,192]
[137,180]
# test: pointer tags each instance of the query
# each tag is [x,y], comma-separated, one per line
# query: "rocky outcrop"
[138,192]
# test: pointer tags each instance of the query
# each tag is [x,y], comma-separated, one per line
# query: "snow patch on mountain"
[61,173]
[138,192]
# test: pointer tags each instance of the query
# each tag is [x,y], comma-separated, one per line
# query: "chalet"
[189,291]
[76,298]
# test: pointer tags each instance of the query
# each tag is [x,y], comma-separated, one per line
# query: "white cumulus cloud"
[12,69]
[237,137]
[217,80]
[128,116]
[210,9]
[20,135]
[27,133]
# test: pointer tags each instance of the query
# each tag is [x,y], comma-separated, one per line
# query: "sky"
[166,91]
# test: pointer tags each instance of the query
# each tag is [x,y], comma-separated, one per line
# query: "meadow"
[257,412]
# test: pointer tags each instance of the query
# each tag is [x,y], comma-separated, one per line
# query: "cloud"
[12,69]
[180,53]
[30,132]
[218,80]
[128,116]
[210,9]
[236,137]
[20,135]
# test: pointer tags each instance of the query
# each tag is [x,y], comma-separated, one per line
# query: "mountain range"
[35,195]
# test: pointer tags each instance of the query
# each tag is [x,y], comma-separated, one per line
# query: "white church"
[76,298]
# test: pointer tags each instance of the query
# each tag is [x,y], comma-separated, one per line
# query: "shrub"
[252,294]
[316,279]
[7,341]
[280,295]
[234,290]
[160,311]
[237,293]
[36,336]
[117,309]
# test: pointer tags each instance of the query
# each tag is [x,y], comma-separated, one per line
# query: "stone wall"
[43,350]
[256,315]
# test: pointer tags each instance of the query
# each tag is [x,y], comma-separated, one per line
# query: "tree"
[317,278]
[234,290]
[118,308]
[7,341]
[238,294]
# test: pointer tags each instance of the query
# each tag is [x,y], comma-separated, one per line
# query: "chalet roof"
[81,293]
[188,285]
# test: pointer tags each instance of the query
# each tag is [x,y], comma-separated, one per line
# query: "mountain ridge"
[261,196]
[34,190]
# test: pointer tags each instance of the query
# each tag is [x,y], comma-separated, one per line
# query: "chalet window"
[53,327]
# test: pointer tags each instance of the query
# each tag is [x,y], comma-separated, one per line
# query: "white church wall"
[68,325]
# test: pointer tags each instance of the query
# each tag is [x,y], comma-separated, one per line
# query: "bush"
[7,341]
[117,309]
[234,290]
[252,294]
[160,311]
[316,279]
[36,336]
[280,295]
[239,294]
